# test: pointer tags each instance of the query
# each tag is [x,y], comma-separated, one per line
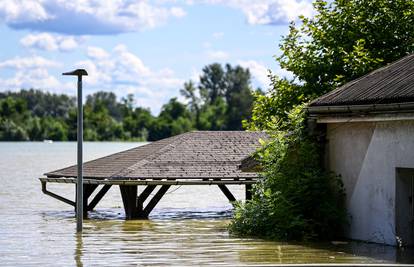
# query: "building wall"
[366,155]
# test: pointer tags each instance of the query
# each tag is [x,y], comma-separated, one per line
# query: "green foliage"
[11,132]
[222,99]
[36,115]
[174,119]
[101,101]
[343,41]
[42,103]
[295,198]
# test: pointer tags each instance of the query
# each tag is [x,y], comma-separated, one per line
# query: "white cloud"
[78,17]
[96,52]
[258,71]
[31,72]
[68,44]
[32,62]
[32,78]
[218,35]
[265,11]
[123,72]
[118,70]
[12,11]
[217,55]
[50,42]
[129,66]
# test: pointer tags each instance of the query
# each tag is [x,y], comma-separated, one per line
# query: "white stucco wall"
[366,155]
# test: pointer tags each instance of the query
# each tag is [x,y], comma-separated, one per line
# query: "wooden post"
[87,192]
[129,198]
[134,205]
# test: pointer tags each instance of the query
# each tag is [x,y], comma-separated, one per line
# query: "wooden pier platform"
[194,158]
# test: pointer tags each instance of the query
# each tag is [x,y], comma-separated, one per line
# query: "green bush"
[296,199]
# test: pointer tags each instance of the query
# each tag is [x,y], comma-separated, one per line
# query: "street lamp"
[79,184]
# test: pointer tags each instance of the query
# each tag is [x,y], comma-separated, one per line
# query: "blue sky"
[147,48]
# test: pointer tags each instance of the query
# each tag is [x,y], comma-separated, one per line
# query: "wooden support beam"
[154,201]
[98,197]
[87,192]
[227,192]
[88,189]
[129,198]
[46,192]
[248,191]
[145,194]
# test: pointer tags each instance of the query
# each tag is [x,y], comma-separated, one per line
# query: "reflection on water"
[78,251]
[188,228]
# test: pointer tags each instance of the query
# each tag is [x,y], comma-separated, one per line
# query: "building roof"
[391,84]
[192,155]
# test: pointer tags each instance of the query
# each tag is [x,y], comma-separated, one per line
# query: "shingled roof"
[393,83]
[192,155]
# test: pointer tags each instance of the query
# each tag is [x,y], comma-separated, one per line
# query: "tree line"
[220,100]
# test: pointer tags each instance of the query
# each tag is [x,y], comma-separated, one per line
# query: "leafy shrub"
[296,199]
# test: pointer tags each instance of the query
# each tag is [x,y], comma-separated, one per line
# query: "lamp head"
[78,72]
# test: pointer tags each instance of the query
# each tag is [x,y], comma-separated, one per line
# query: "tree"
[297,198]
[212,83]
[43,103]
[190,92]
[343,41]
[221,99]
[54,129]
[174,119]
[105,100]
[238,96]
[137,123]
[10,131]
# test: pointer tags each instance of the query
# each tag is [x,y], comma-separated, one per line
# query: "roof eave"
[357,109]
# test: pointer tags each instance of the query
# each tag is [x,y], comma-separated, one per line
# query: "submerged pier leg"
[87,192]
[134,204]
[129,198]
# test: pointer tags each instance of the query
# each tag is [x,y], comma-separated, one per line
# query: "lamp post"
[79,184]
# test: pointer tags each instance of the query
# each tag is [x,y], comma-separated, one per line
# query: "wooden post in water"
[79,184]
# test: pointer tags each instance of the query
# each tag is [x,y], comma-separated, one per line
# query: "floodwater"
[187,228]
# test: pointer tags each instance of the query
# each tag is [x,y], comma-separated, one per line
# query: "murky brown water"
[187,228]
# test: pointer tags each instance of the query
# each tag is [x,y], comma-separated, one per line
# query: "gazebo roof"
[192,155]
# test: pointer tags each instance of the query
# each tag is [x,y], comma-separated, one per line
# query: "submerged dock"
[194,158]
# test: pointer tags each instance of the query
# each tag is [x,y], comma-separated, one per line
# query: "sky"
[145,48]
